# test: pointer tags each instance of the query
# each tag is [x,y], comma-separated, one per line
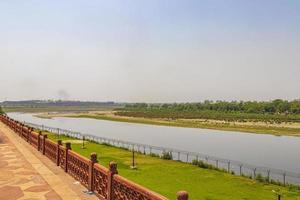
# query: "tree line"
[277,106]
[276,111]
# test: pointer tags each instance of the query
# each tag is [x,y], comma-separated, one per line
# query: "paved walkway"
[26,174]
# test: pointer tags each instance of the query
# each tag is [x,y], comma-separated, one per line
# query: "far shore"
[283,129]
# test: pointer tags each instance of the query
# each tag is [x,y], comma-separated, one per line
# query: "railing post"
[59,143]
[39,141]
[19,132]
[68,147]
[268,175]
[112,171]
[228,167]
[182,195]
[29,135]
[44,147]
[93,160]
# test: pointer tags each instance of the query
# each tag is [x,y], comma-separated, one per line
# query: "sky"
[150,50]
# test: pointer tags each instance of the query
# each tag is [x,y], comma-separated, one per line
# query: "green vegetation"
[1,111]
[167,177]
[276,111]
[55,109]
[57,106]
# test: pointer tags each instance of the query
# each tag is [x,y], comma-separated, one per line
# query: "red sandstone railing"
[79,167]
[105,183]
[100,181]
[51,150]
[34,139]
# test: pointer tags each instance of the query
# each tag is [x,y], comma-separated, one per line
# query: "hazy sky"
[150,51]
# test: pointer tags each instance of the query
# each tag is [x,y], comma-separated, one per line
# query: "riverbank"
[167,176]
[290,129]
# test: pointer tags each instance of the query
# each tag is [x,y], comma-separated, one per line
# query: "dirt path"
[26,174]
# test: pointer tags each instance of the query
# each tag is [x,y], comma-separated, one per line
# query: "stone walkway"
[26,174]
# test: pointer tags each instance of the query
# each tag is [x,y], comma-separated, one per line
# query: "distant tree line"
[270,107]
[49,103]
[273,111]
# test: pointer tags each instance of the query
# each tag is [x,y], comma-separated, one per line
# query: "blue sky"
[150,51]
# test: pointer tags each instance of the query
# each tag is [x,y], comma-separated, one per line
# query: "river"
[280,152]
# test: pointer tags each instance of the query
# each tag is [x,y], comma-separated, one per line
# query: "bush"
[293,188]
[261,179]
[106,144]
[167,156]
[154,155]
[204,165]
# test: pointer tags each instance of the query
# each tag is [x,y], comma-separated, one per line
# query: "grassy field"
[167,177]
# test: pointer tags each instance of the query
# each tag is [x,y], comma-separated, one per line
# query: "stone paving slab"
[26,174]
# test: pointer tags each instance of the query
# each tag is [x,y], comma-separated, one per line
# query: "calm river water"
[257,149]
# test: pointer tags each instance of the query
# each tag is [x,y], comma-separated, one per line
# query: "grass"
[167,177]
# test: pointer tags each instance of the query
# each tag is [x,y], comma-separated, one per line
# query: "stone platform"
[26,174]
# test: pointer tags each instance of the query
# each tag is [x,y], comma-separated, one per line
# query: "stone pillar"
[68,147]
[39,141]
[93,160]
[112,171]
[20,130]
[59,143]
[182,195]
[28,135]
[43,143]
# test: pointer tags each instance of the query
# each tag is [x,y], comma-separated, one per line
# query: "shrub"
[293,188]
[154,155]
[204,165]
[167,156]
[261,179]
[107,144]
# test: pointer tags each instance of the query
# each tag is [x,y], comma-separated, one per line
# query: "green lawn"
[167,177]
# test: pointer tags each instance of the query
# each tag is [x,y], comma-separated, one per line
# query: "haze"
[150,51]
